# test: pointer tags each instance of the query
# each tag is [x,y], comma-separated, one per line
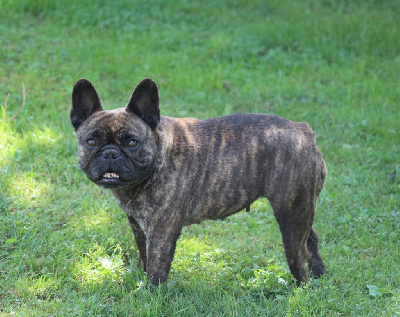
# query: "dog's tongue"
[110,175]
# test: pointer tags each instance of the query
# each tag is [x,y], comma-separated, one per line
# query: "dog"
[166,173]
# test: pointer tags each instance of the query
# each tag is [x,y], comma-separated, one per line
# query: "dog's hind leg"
[315,263]
[295,216]
[294,237]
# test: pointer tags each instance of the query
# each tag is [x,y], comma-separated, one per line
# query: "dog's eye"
[91,142]
[133,144]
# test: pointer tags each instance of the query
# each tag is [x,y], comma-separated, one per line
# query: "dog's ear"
[85,102]
[145,102]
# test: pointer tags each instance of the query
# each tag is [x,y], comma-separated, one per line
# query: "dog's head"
[118,147]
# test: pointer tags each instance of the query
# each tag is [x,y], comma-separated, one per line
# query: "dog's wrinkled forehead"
[114,123]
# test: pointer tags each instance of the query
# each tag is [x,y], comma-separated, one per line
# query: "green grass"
[65,247]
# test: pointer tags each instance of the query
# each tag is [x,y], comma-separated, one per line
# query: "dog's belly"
[225,189]
[218,211]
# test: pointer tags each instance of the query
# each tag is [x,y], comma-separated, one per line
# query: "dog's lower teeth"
[110,175]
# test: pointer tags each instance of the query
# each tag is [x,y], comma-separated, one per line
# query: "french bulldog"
[166,173]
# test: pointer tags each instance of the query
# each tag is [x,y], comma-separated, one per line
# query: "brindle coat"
[167,173]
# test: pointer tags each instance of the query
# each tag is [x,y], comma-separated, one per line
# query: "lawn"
[66,249]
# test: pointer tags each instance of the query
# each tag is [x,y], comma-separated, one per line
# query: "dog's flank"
[182,171]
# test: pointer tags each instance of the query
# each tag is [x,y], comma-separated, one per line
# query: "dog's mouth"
[111,180]
[110,176]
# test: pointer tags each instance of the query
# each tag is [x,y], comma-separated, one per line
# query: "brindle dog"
[166,173]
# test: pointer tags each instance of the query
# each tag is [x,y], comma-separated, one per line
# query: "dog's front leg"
[140,239]
[161,242]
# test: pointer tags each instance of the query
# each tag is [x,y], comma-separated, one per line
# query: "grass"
[65,247]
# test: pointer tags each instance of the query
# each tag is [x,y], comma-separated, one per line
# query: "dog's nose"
[110,154]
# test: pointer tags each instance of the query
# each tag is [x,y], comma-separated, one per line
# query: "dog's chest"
[136,208]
